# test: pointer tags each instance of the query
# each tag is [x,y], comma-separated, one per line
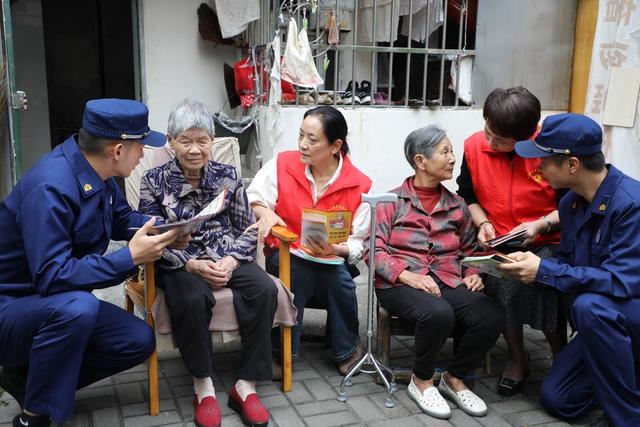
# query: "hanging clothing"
[388,17]
[298,65]
[419,19]
[274,125]
[234,16]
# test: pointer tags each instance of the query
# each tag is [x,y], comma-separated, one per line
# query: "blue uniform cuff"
[545,275]
[122,260]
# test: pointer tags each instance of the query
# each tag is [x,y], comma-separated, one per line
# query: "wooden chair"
[141,292]
[388,325]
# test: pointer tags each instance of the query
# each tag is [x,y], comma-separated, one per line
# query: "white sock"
[203,387]
[245,388]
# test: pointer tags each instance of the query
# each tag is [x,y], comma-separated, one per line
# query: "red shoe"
[251,410]
[207,413]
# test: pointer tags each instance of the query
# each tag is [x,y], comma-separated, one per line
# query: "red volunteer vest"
[294,192]
[511,191]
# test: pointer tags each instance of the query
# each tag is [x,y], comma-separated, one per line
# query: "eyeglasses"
[565,151]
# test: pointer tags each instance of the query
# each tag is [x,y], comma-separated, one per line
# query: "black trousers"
[190,301]
[475,319]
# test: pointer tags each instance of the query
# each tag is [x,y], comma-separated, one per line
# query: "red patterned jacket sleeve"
[387,267]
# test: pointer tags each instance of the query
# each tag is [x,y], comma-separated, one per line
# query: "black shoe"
[508,387]
[351,95]
[24,420]
[364,92]
[13,379]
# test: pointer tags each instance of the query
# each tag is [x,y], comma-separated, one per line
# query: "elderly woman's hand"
[181,243]
[215,275]
[473,283]
[268,219]
[421,282]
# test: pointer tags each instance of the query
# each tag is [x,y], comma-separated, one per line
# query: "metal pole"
[444,39]
[13,113]
[373,365]
[408,71]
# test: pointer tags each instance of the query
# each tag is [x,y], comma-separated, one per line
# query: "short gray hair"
[422,141]
[190,114]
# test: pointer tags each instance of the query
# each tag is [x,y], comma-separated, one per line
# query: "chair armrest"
[283,234]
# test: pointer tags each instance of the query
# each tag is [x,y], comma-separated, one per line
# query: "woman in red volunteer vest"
[321,176]
[506,192]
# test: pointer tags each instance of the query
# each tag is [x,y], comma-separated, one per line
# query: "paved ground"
[122,400]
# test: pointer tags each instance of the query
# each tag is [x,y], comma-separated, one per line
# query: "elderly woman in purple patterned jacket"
[221,253]
[420,242]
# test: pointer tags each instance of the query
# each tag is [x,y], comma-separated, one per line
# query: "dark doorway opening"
[89,50]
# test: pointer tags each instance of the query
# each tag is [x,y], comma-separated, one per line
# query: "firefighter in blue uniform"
[598,262]
[55,336]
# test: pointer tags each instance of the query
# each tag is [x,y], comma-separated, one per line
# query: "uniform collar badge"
[602,207]
[87,187]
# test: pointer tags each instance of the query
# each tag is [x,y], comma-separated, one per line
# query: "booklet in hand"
[511,239]
[187,226]
[330,259]
[487,263]
[329,226]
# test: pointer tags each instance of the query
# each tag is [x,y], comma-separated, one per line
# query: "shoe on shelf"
[207,412]
[364,92]
[466,400]
[307,98]
[13,379]
[430,401]
[351,94]
[381,98]
[345,366]
[251,410]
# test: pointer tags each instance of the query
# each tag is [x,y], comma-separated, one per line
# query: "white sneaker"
[466,400]
[431,402]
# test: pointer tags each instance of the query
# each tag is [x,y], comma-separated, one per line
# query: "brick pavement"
[120,401]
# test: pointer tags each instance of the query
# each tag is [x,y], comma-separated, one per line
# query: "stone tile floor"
[122,399]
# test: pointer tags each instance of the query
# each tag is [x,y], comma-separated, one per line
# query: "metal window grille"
[441,52]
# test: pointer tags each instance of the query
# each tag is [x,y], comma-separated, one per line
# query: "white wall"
[177,63]
[376,138]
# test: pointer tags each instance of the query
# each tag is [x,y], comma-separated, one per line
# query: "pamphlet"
[189,225]
[330,226]
[330,259]
[511,239]
[487,263]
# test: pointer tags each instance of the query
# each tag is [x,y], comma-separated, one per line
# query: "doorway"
[67,52]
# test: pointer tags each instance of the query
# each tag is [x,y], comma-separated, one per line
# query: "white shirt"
[263,191]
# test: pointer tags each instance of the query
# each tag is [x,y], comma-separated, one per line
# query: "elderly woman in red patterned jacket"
[420,241]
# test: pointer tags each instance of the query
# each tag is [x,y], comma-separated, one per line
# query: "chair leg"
[287,371]
[384,335]
[154,400]
[487,363]
[150,297]
[128,303]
